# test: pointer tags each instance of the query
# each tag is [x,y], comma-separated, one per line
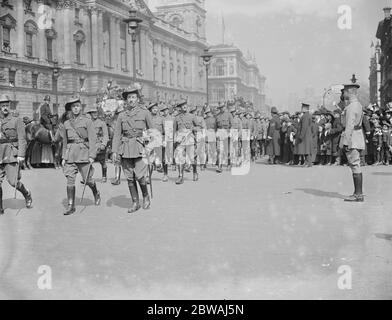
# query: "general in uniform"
[353,140]
[224,121]
[79,152]
[210,121]
[102,134]
[12,151]
[168,144]
[128,143]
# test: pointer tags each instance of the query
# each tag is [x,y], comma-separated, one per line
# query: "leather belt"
[8,140]
[134,134]
[78,141]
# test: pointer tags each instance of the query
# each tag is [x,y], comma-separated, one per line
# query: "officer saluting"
[79,151]
[353,140]
[129,145]
[12,151]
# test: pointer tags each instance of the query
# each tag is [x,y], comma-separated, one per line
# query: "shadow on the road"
[382,173]
[382,236]
[14,204]
[324,194]
[123,202]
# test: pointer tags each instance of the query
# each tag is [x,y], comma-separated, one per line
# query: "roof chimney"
[387,12]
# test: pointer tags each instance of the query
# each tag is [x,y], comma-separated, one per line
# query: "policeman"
[102,133]
[79,152]
[12,151]
[224,122]
[184,126]
[353,139]
[128,143]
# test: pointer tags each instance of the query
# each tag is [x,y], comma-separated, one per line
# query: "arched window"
[80,39]
[7,23]
[51,35]
[155,68]
[178,76]
[185,77]
[171,74]
[219,68]
[31,30]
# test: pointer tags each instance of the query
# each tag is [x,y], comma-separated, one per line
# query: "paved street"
[276,233]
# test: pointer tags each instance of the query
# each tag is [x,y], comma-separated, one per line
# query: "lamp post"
[206,56]
[133,24]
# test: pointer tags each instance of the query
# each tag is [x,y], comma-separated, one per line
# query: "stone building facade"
[61,47]
[233,75]
[375,75]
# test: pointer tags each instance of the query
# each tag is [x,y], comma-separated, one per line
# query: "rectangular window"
[6,40]
[123,59]
[78,48]
[49,49]
[77,14]
[12,75]
[29,44]
[34,80]
[123,31]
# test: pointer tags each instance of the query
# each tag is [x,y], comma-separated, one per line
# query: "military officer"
[102,133]
[129,144]
[117,162]
[210,121]
[200,133]
[158,130]
[224,121]
[352,139]
[168,144]
[79,152]
[184,126]
[12,151]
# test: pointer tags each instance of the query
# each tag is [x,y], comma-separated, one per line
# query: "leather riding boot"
[358,193]
[1,201]
[135,197]
[71,200]
[195,174]
[117,176]
[146,196]
[26,194]
[180,179]
[104,174]
[97,195]
[165,173]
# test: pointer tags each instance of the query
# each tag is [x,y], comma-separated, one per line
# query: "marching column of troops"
[188,138]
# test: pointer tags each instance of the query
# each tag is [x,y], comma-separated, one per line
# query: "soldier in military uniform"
[211,136]
[101,131]
[129,144]
[184,127]
[158,131]
[168,144]
[79,152]
[235,136]
[200,133]
[12,151]
[224,121]
[117,162]
[352,139]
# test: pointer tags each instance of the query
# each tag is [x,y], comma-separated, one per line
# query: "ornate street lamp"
[207,56]
[133,24]
[56,74]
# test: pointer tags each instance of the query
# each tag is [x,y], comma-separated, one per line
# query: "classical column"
[113,42]
[68,39]
[20,42]
[97,44]
[87,30]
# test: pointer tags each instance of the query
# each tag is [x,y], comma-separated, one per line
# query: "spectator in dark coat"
[335,133]
[273,147]
[304,137]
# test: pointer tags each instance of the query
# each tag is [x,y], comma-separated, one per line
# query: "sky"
[298,44]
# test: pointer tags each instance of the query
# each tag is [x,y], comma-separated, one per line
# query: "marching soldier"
[128,144]
[168,145]
[101,131]
[12,151]
[117,162]
[211,136]
[235,136]
[224,121]
[353,140]
[199,131]
[159,129]
[184,126]
[79,152]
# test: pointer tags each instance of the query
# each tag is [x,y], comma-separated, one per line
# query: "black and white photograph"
[195,150]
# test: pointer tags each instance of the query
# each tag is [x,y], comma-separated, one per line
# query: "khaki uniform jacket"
[352,118]
[224,120]
[211,123]
[158,123]
[128,135]
[78,148]
[12,130]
